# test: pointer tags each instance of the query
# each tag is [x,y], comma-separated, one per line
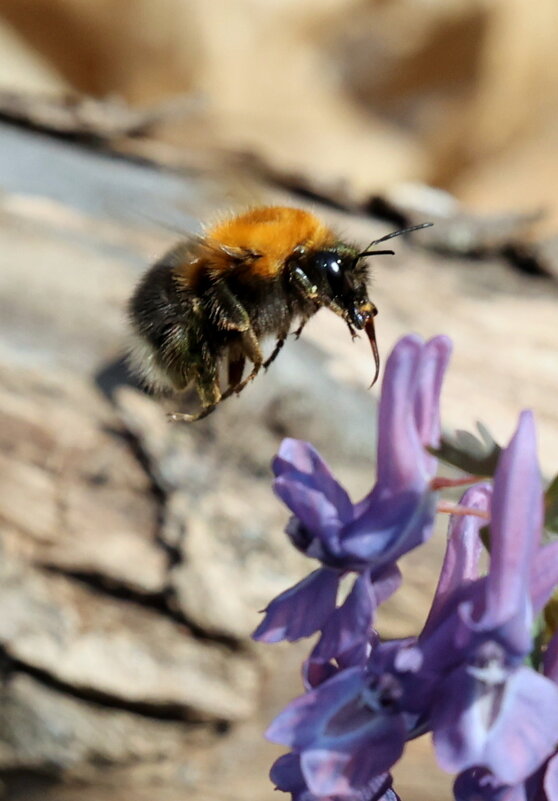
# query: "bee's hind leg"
[182,417]
[207,386]
[232,317]
[232,389]
[249,348]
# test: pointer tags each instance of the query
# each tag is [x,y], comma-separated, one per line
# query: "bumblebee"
[213,298]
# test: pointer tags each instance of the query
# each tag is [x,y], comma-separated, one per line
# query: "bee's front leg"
[300,329]
[281,339]
[310,291]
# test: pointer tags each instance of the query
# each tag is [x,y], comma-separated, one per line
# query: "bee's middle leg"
[281,339]
[232,316]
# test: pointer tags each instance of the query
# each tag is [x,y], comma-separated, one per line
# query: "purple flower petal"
[409,411]
[316,512]
[551,779]
[299,463]
[287,775]
[350,624]
[315,672]
[301,610]
[342,718]
[385,584]
[514,535]
[507,724]
[392,525]
[463,552]
[344,776]
[349,628]
[524,734]
[398,439]
[478,784]
[434,361]
[302,722]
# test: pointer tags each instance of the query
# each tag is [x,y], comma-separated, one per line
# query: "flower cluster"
[476,676]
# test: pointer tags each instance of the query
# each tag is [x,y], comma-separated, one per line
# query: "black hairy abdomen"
[158,305]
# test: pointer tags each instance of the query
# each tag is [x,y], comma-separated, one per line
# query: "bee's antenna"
[367,252]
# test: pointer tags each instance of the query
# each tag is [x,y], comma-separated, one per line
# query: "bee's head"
[340,276]
[336,277]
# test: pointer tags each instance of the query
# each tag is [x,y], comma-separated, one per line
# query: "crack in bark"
[10,665]
[162,603]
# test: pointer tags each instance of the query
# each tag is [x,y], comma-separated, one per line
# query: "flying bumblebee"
[214,297]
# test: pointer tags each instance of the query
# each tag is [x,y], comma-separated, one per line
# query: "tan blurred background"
[461,94]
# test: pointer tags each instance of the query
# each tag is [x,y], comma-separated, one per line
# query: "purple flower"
[286,775]
[467,677]
[348,732]
[368,537]
[550,780]
[464,676]
[478,784]
[488,709]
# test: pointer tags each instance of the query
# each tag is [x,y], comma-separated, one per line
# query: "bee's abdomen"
[157,305]
[164,321]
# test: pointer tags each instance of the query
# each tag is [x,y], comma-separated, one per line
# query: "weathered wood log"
[136,554]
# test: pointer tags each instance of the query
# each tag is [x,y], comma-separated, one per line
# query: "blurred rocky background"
[135,554]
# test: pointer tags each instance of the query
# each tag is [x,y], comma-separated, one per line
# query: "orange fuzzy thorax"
[273,232]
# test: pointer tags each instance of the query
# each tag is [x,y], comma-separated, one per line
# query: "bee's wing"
[237,255]
[185,256]
[187,249]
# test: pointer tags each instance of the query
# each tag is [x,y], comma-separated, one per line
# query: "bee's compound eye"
[335,266]
[329,265]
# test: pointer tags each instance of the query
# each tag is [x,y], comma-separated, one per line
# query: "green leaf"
[551,506]
[476,454]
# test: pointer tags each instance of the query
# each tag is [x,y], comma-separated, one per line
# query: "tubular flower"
[489,709]
[369,537]
[286,775]
[479,784]
[474,677]
[347,732]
